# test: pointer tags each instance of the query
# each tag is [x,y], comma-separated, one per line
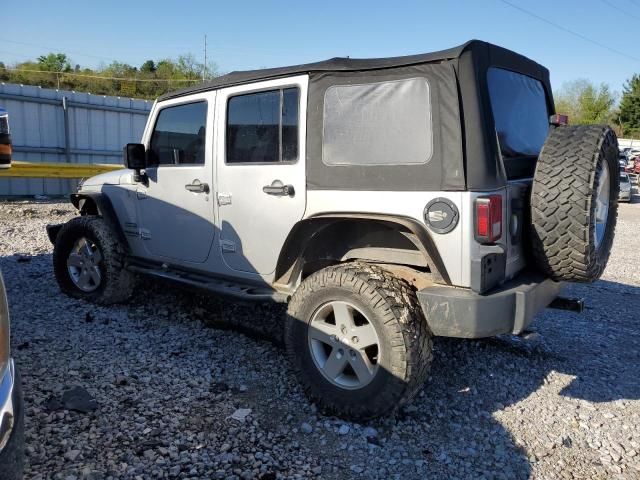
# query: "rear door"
[260,170]
[175,207]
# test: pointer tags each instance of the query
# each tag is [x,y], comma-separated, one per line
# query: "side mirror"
[135,158]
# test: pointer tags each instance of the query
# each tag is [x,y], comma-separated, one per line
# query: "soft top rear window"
[521,118]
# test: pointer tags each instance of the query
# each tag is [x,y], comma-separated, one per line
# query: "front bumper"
[11,425]
[509,308]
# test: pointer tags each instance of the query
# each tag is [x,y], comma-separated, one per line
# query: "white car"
[625,188]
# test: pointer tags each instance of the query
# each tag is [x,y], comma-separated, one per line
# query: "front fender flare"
[97,203]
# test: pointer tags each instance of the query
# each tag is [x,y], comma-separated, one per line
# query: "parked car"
[623,159]
[5,139]
[11,401]
[373,196]
[625,188]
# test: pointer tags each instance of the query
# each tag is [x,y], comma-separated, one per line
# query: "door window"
[179,135]
[262,127]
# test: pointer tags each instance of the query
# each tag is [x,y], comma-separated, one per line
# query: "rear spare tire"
[574,202]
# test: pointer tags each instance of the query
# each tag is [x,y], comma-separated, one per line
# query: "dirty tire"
[117,284]
[563,202]
[405,342]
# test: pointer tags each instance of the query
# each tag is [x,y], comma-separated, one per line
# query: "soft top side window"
[262,127]
[178,137]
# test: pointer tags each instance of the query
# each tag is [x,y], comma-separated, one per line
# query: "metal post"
[67,140]
[204,70]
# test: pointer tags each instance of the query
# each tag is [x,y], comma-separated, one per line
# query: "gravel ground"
[167,380]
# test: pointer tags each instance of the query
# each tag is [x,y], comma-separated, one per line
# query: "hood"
[117,177]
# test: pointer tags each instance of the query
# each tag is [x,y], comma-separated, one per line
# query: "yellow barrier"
[57,170]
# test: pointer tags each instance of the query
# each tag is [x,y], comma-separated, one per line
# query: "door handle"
[197,187]
[279,189]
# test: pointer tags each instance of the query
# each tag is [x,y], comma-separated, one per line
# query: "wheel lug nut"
[352,353]
[343,329]
[355,339]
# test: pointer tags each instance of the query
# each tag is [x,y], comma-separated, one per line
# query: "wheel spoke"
[96,256]
[94,273]
[74,260]
[366,336]
[361,365]
[84,278]
[338,343]
[323,332]
[343,314]
[335,363]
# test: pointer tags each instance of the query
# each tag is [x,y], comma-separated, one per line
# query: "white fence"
[62,126]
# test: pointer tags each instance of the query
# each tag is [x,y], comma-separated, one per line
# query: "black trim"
[103,207]
[52,231]
[219,284]
[289,264]
[5,138]
[336,64]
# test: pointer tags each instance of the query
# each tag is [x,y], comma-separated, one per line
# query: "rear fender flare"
[305,232]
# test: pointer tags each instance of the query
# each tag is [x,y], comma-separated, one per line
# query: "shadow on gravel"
[452,424]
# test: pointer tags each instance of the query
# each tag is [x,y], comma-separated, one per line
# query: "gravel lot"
[167,379]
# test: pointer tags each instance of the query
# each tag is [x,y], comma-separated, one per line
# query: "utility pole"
[204,70]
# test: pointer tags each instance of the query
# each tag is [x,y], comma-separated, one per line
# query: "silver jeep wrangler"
[386,200]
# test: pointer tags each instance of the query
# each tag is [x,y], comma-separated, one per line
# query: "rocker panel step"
[216,285]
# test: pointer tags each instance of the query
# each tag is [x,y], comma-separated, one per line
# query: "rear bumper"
[11,425]
[509,308]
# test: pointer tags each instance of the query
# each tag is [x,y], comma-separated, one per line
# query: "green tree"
[148,67]
[585,102]
[629,115]
[54,62]
[152,79]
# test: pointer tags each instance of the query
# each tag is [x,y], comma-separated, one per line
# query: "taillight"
[488,218]
[558,120]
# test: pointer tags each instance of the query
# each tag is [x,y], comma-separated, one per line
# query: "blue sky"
[252,34]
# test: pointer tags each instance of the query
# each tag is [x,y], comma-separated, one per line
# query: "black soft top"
[342,64]
[465,153]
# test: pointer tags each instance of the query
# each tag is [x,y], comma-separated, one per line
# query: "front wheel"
[88,262]
[358,340]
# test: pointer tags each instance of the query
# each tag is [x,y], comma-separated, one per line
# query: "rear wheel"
[574,202]
[88,262]
[358,340]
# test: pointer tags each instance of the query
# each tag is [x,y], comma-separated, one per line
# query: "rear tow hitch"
[570,304]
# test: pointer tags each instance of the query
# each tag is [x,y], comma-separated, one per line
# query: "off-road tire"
[117,284]
[405,340]
[563,202]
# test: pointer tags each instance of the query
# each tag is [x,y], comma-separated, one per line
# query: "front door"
[261,170]
[176,207]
